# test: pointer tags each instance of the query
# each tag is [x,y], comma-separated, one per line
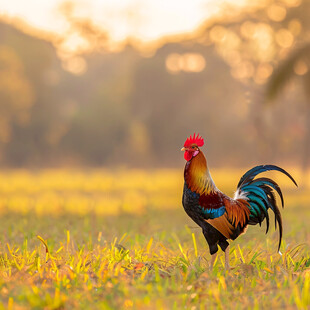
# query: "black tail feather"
[252,173]
[260,195]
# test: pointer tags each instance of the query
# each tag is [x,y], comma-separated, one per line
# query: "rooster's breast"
[190,203]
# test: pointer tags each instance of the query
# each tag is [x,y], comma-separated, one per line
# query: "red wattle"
[188,155]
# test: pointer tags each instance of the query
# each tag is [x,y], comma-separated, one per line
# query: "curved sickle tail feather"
[259,193]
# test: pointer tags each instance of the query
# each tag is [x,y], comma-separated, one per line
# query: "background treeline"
[132,109]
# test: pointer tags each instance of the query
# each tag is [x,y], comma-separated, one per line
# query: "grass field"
[121,240]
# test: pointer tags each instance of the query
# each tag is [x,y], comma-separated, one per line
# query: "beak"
[183,149]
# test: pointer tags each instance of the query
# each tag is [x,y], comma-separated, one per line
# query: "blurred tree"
[16,94]
[33,141]
[252,41]
[82,36]
[130,108]
[101,125]
[296,65]
[175,95]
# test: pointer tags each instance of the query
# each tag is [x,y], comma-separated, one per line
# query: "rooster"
[221,217]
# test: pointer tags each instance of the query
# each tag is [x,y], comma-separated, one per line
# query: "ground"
[103,239]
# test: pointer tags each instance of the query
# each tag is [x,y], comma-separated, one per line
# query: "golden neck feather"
[197,175]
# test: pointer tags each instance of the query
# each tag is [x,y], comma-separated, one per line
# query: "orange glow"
[81,28]
[76,65]
[232,40]
[262,44]
[292,3]
[284,38]
[243,71]
[217,33]
[248,29]
[193,62]
[74,42]
[146,20]
[76,27]
[301,68]
[188,62]
[276,12]
[295,27]
[263,33]
[173,63]
[263,72]
[233,57]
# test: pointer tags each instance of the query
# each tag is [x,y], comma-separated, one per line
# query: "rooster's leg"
[227,267]
[213,257]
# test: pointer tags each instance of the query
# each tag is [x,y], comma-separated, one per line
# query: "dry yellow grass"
[100,239]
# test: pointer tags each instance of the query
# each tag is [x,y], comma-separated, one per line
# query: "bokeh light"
[188,62]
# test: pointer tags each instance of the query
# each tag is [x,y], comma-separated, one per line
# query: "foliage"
[253,40]
[298,60]
[103,240]
[16,93]
[296,64]
[128,109]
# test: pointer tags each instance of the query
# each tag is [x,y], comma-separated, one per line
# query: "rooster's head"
[191,146]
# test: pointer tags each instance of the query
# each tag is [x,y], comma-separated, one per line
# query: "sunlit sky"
[143,19]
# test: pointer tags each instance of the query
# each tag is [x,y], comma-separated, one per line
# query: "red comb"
[194,140]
